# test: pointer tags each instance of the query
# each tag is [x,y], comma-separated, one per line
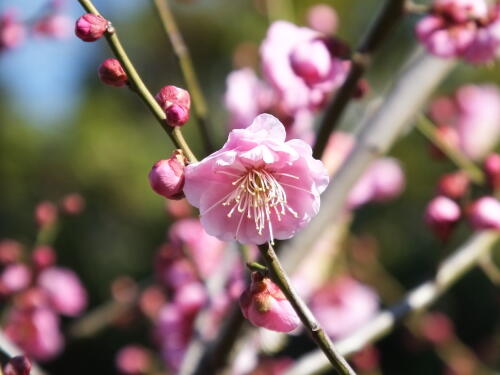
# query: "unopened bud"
[311,60]
[323,18]
[91,27]
[43,257]
[453,185]
[19,365]
[491,168]
[46,213]
[176,103]
[484,213]
[133,360]
[167,176]
[111,73]
[436,327]
[73,204]
[441,216]
[265,305]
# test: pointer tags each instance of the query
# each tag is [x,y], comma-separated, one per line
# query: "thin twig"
[182,53]
[313,327]
[387,18]
[450,271]
[138,85]
[427,128]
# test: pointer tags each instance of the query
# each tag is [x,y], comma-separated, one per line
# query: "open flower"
[258,187]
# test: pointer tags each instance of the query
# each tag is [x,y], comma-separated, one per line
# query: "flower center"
[257,195]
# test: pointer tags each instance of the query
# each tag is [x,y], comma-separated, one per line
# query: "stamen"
[258,195]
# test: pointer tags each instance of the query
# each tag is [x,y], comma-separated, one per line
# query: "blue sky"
[43,78]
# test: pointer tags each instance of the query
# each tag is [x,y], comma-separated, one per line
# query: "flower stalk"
[138,85]
[277,272]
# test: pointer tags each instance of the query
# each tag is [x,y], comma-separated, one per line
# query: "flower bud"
[311,61]
[111,73]
[19,365]
[73,204]
[436,327]
[491,168]
[91,27]
[441,216]
[133,360]
[453,185]
[46,214]
[43,257]
[14,278]
[176,103]
[265,305]
[167,176]
[12,32]
[323,18]
[484,213]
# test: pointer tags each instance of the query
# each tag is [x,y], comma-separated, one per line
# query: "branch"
[387,18]
[184,58]
[138,85]
[378,132]
[311,324]
[451,270]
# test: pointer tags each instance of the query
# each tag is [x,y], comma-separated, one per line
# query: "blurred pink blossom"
[302,65]
[205,250]
[491,167]
[54,25]
[258,187]
[190,297]
[72,204]
[10,251]
[46,214]
[484,213]
[36,331]
[18,365]
[65,290]
[436,327]
[322,18]
[12,32]
[14,278]
[441,215]
[43,257]
[343,305]
[265,305]
[453,185]
[133,360]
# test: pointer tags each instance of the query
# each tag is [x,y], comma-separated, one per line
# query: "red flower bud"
[45,213]
[111,73]
[453,185]
[441,216]
[43,257]
[176,103]
[167,176]
[90,27]
[491,167]
[265,305]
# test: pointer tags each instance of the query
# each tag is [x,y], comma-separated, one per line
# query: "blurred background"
[62,131]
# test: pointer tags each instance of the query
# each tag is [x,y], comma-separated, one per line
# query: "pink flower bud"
[111,73]
[436,327]
[441,216]
[265,305]
[14,278]
[43,257]
[73,204]
[311,60]
[190,297]
[19,365]
[91,27]
[167,176]
[12,32]
[133,360]
[453,185]
[491,168]
[176,103]
[54,25]
[46,214]
[10,251]
[484,213]
[323,18]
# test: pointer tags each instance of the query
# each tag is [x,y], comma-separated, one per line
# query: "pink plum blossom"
[322,18]
[343,304]
[453,185]
[54,25]
[302,65]
[491,167]
[64,289]
[441,215]
[484,213]
[258,187]
[36,331]
[265,305]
